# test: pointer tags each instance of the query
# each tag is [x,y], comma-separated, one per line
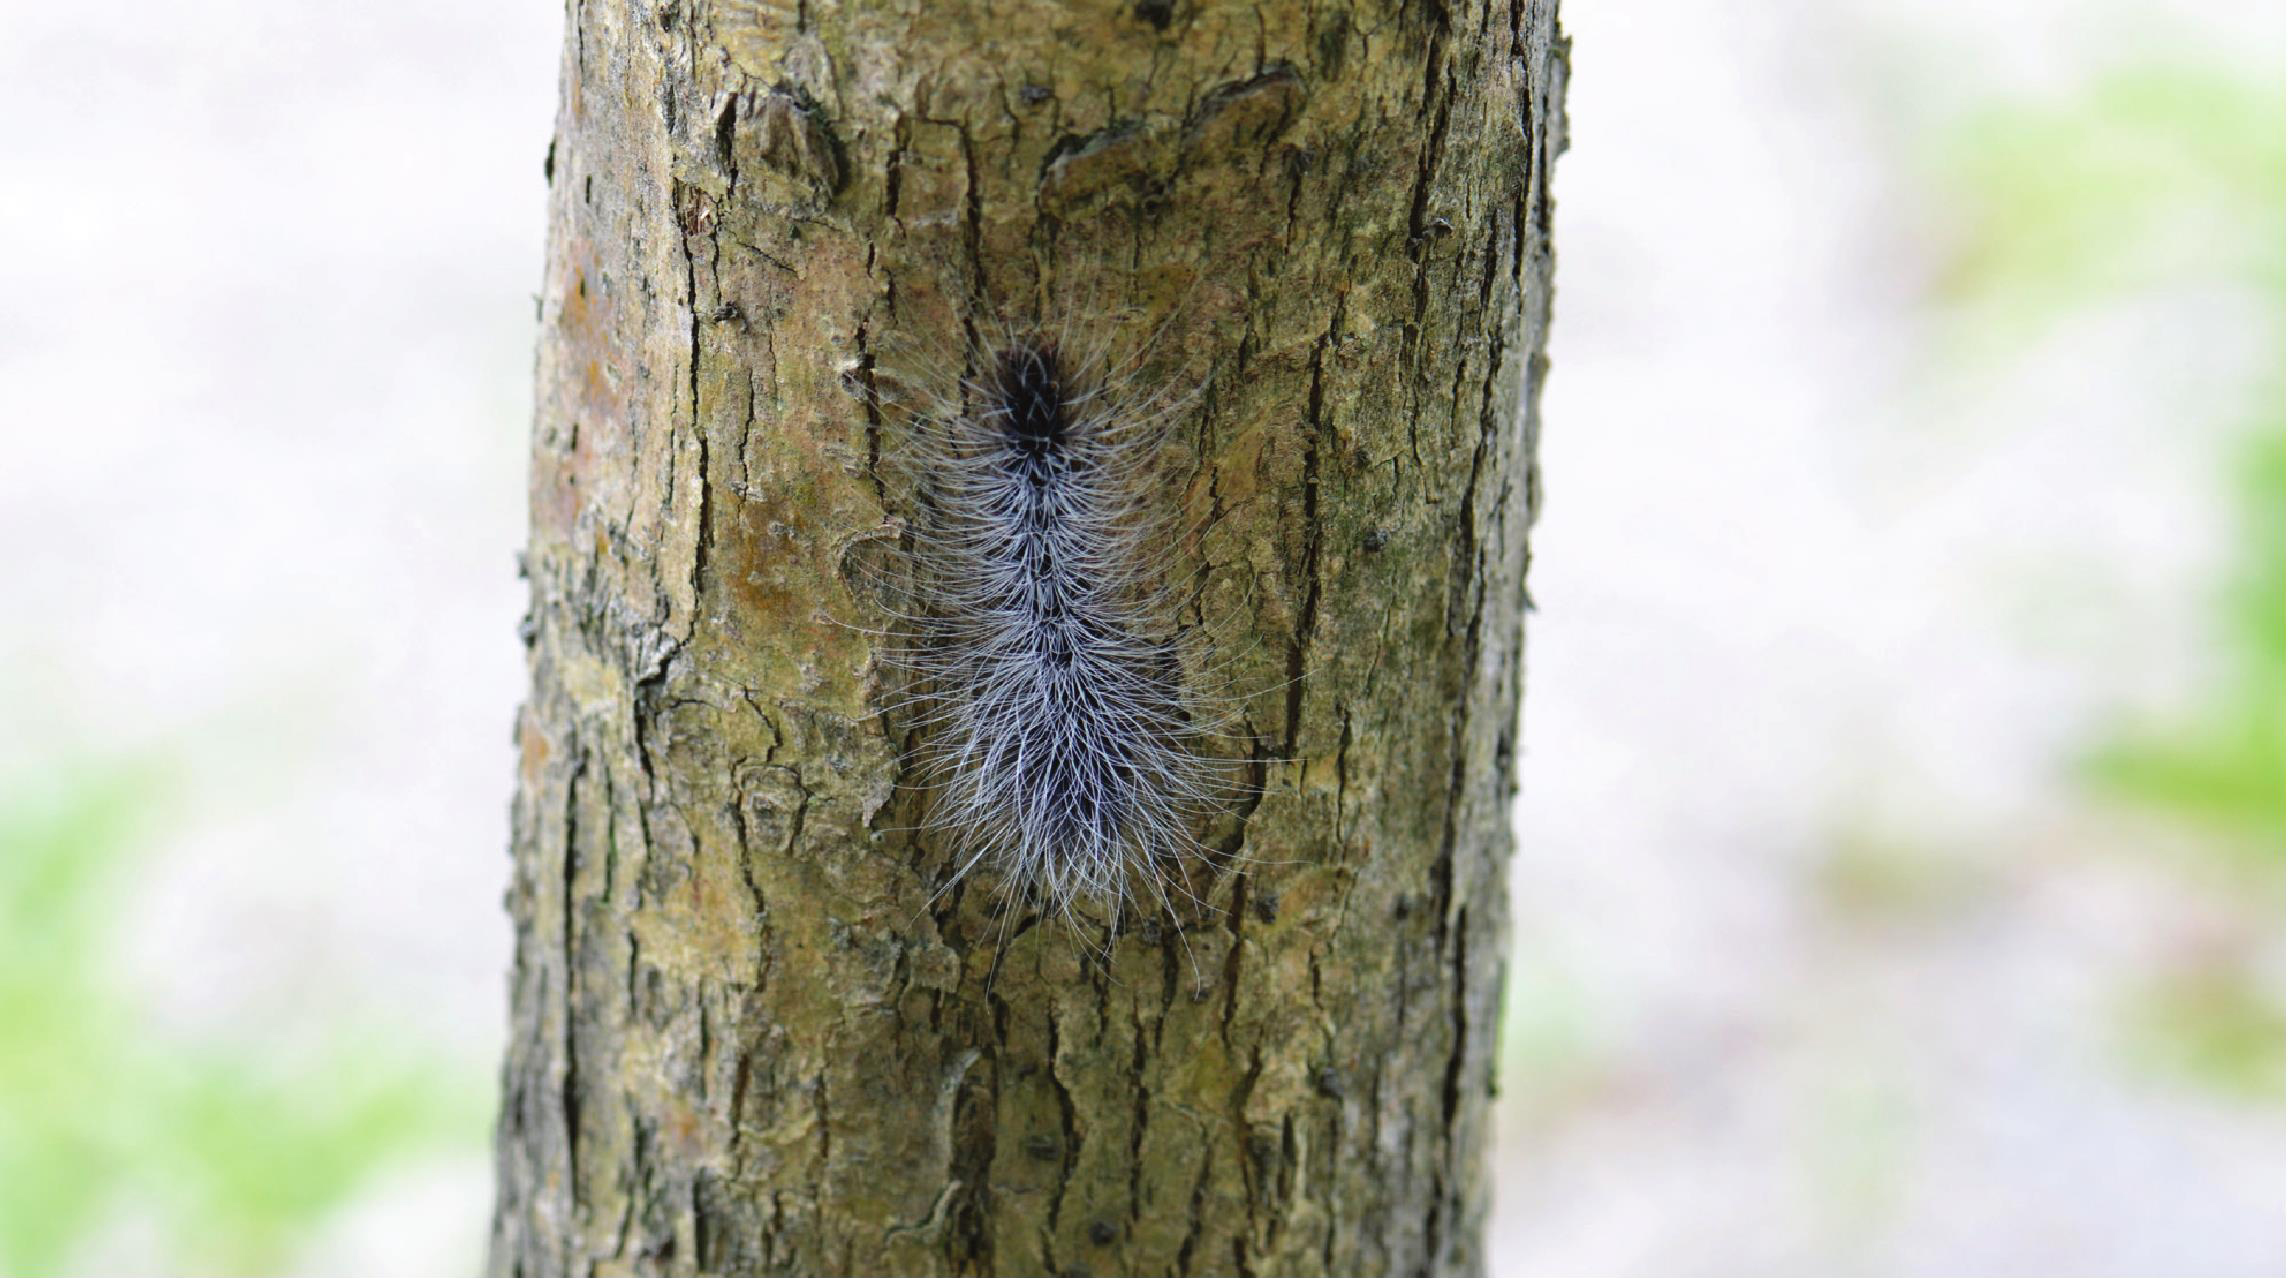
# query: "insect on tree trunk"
[746,1037]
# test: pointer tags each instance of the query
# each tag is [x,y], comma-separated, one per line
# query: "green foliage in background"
[2224,763]
[2149,177]
[2153,179]
[223,1159]
[2210,1023]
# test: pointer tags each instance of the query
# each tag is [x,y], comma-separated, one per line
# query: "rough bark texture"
[743,1040]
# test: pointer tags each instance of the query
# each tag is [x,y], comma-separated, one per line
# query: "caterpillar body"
[1062,747]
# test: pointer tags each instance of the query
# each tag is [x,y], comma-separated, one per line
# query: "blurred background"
[1901,874]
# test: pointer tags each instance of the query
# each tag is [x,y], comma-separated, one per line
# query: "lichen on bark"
[745,1038]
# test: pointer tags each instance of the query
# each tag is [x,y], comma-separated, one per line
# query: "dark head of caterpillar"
[1028,395]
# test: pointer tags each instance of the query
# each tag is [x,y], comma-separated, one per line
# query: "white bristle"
[1062,747]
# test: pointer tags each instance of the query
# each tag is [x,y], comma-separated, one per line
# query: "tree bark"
[744,1037]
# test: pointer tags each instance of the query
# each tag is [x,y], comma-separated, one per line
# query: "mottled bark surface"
[743,1041]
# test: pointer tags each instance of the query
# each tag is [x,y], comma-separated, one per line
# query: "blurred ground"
[1901,873]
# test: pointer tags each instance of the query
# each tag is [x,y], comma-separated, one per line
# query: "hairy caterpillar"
[1063,747]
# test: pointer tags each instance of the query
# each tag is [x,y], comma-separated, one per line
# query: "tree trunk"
[745,1037]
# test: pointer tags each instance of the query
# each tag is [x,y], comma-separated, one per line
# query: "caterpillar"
[1063,744]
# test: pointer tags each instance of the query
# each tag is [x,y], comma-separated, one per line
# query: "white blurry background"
[1906,361]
